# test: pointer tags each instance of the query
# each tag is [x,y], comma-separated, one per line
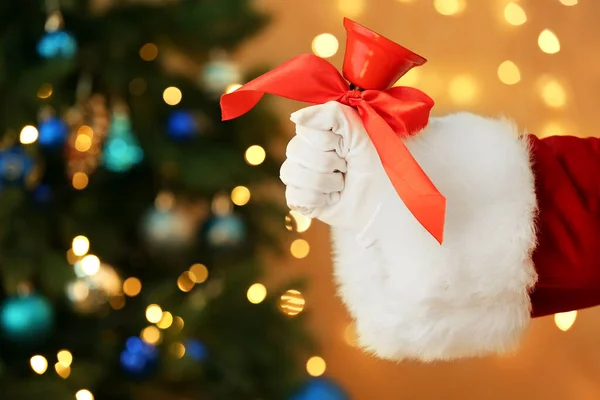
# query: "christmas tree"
[132,218]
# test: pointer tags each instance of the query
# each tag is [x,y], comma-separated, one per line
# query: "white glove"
[332,171]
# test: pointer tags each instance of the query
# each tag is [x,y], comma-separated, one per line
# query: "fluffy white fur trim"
[414,299]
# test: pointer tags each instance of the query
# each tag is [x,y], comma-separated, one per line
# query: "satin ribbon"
[388,116]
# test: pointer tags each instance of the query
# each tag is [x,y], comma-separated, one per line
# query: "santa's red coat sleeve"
[522,239]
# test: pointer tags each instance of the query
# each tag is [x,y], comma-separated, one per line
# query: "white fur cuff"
[414,299]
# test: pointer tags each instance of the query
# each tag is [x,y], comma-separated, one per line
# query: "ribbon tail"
[305,78]
[412,184]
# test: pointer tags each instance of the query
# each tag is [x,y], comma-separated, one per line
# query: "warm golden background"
[556,93]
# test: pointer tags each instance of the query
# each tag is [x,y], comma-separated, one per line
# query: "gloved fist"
[332,171]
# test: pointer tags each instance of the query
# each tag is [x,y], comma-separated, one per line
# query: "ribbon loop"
[388,116]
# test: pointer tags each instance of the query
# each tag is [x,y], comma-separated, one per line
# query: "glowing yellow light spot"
[65,357]
[83,143]
[178,324]
[80,180]
[172,96]
[291,302]
[84,394]
[463,89]
[80,245]
[90,264]
[178,350]
[45,91]
[132,287]
[300,248]
[316,366]
[297,222]
[256,293]
[186,281]
[39,364]
[164,201]
[411,78]
[553,94]
[79,290]
[255,155]
[514,14]
[240,195]
[166,320]
[117,301]
[569,2]
[62,370]
[153,313]
[564,321]
[71,257]
[351,8]
[548,42]
[325,45]
[449,7]
[221,204]
[149,52]
[151,335]
[29,134]
[509,73]
[554,128]
[350,335]
[200,273]
[233,87]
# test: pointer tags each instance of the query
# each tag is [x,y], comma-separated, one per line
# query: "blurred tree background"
[131,218]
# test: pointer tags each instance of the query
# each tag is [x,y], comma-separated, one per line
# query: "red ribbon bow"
[388,116]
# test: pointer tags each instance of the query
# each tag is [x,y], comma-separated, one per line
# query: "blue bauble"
[196,350]
[225,231]
[56,44]
[42,193]
[53,133]
[138,358]
[15,165]
[181,125]
[219,74]
[320,389]
[26,318]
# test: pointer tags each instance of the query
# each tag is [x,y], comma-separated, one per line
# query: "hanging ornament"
[168,224]
[88,121]
[320,389]
[225,231]
[16,167]
[56,42]
[219,73]
[26,318]
[121,148]
[138,358]
[53,132]
[181,125]
[93,289]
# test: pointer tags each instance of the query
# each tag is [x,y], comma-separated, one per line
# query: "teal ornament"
[320,389]
[57,44]
[121,149]
[15,166]
[26,318]
[225,231]
[220,73]
[53,133]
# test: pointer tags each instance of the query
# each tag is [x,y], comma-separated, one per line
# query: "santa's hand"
[332,170]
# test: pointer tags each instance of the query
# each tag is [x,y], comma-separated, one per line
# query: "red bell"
[372,61]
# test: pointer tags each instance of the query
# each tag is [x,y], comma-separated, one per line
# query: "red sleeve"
[567,257]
